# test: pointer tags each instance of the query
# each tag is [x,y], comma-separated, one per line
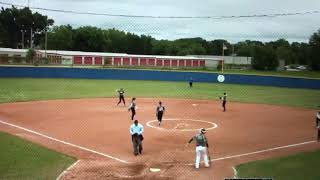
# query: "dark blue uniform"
[132,108]
[224,101]
[159,113]
[121,97]
[190,82]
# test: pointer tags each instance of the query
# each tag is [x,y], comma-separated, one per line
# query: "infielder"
[136,131]
[201,148]
[224,101]
[121,97]
[132,108]
[159,112]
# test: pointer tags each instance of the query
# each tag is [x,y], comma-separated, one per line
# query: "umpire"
[136,131]
[159,112]
[121,97]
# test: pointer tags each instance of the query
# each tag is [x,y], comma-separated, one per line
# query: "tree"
[60,38]
[17,22]
[314,43]
[264,58]
[246,48]
[31,53]
[215,47]
[285,53]
[89,38]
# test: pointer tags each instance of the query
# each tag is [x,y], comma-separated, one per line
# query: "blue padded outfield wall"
[120,74]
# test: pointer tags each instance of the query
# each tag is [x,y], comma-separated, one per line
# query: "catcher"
[201,148]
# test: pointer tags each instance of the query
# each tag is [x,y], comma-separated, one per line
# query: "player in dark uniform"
[224,101]
[121,96]
[159,112]
[190,82]
[132,108]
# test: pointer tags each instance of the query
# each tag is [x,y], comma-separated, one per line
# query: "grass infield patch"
[20,159]
[296,167]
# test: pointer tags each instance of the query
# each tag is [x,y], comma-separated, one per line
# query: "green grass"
[20,159]
[301,74]
[20,89]
[297,167]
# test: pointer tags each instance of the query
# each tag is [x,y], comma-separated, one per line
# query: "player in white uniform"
[201,148]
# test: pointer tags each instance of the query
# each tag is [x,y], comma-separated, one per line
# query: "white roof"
[106,54]
[13,50]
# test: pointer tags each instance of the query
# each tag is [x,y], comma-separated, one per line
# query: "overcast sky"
[293,28]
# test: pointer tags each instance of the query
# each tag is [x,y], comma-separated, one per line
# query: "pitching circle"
[214,125]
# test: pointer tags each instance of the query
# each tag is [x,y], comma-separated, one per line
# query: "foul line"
[262,151]
[64,142]
[235,172]
[68,169]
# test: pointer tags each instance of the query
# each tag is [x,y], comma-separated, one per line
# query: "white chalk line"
[235,172]
[68,169]
[261,151]
[214,125]
[123,161]
[64,142]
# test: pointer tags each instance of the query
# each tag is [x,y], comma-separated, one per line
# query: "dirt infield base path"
[96,131]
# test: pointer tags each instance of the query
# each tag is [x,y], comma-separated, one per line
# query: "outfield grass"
[301,74]
[297,167]
[20,159]
[27,89]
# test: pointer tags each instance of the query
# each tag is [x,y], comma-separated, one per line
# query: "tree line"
[16,26]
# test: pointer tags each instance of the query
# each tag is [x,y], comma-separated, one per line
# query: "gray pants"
[137,144]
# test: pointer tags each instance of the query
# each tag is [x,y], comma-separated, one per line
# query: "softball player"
[224,101]
[121,97]
[201,148]
[132,108]
[190,82]
[159,112]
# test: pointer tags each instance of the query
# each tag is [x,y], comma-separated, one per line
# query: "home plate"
[154,169]
[194,104]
